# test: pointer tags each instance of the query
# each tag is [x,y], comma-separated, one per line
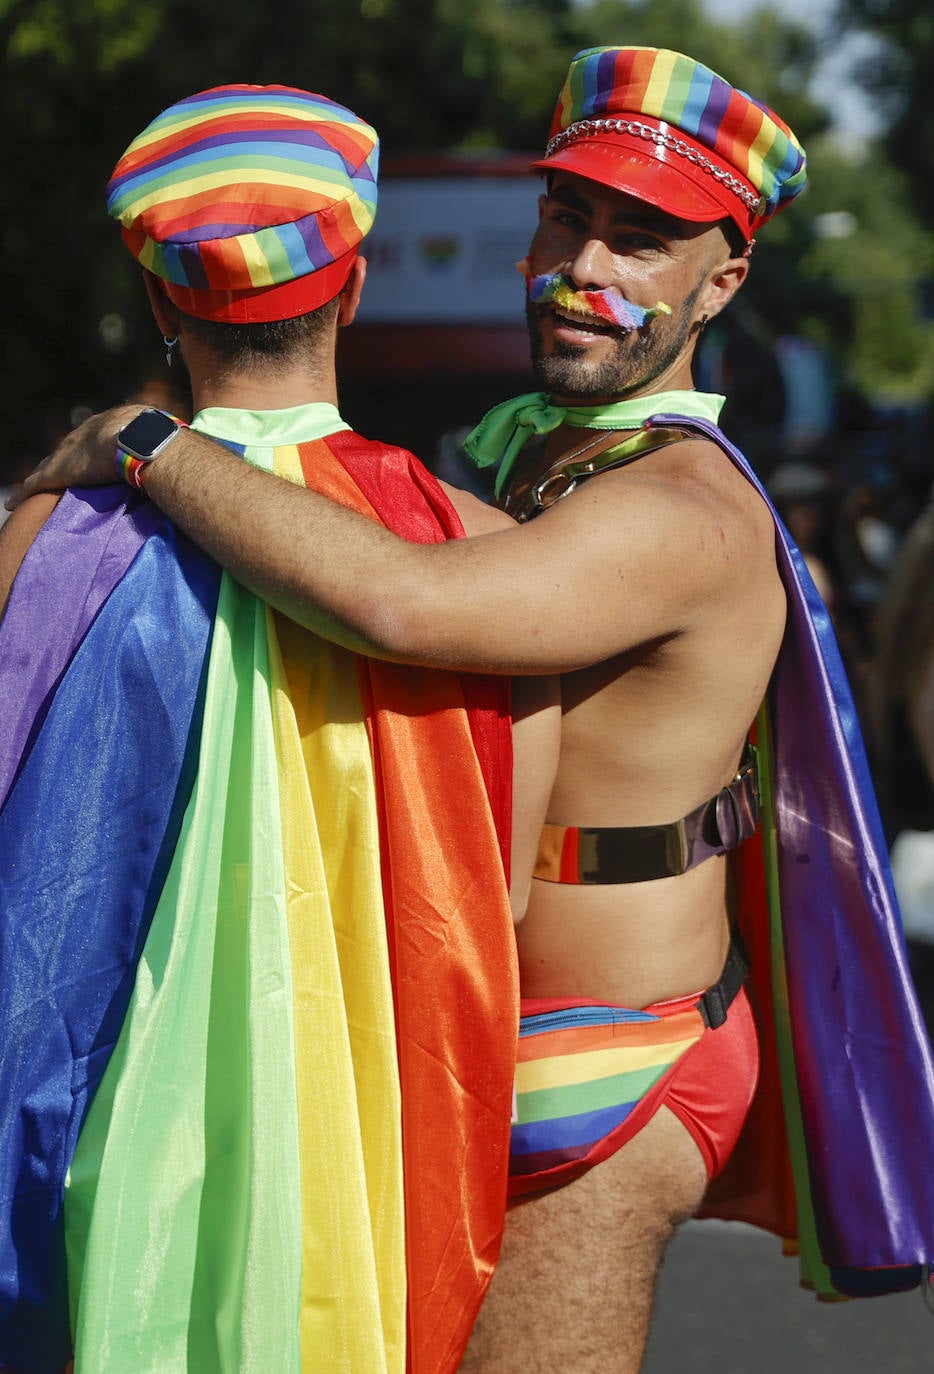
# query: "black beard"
[636,358]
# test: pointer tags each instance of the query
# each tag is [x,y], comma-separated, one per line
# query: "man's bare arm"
[609,568]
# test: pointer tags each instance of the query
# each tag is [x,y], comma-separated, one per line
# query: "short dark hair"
[243,345]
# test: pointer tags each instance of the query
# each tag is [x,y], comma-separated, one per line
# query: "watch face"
[149,432]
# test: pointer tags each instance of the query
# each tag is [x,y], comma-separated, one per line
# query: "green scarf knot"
[505,430]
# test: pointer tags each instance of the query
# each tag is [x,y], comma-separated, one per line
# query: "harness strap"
[714,1004]
[531,490]
[641,853]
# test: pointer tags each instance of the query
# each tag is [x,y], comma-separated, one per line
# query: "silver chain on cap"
[590,128]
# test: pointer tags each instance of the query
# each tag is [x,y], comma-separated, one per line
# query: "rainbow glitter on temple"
[607,306]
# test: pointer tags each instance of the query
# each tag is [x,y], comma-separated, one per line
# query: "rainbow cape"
[835,1155]
[257,969]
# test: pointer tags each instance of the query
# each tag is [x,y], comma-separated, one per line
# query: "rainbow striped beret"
[248,202]
[665,128]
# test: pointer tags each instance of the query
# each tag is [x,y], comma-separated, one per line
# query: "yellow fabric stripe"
[759,150]
[349,1105]
[289,464]
[656,91]
[562,1069]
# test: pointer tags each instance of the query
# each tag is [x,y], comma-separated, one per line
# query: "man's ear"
[162,308]
[350,296]
[722,285]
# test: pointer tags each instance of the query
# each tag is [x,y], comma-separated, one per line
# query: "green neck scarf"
[505,430]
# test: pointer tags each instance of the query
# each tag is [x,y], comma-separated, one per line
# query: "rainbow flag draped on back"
[835,1154]
[258,988]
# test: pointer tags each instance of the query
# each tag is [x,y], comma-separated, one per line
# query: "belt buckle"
[737,808]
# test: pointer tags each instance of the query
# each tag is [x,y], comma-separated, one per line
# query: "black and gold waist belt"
[641,853]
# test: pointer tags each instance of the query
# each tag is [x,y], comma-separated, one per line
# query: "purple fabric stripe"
[310,233]
[595,101]
[188,258]
[717,103]
[863,1061]
[61,574]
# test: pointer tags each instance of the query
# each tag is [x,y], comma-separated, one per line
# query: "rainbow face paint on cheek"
[607,306]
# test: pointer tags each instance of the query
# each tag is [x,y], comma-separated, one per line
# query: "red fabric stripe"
[278,204]
[756,1185]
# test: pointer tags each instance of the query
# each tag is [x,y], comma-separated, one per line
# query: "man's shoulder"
[682,520]
[687,472]
[17,535]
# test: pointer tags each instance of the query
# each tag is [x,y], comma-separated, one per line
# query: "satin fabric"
[843,1030]
[82,558]
[144,1200]
[99,776]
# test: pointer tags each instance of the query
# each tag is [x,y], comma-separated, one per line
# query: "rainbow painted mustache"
[607,306]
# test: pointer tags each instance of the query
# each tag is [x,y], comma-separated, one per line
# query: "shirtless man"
[653,588]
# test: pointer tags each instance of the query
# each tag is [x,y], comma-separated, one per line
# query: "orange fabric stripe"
[580,1039]
[453,952]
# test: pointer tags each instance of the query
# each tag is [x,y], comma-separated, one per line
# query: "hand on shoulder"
[84,458]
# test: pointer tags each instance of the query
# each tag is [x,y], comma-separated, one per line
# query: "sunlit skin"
[602,239]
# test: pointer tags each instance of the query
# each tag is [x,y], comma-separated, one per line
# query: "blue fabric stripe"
[70,938]
[696,100]
[569,1131]
[538,1023]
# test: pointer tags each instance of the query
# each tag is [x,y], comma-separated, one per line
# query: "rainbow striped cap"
[248,202]
[664,128]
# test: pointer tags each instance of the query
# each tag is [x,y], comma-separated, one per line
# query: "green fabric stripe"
[200,1228]
[814,1271]
[680,81]
[275,253]
[574,1099]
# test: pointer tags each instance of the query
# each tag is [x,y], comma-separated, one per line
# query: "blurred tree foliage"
[82,77]
[899,74]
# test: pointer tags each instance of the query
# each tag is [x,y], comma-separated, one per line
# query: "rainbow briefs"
[588,1077]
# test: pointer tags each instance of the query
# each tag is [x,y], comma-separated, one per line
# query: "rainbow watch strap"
[129,467]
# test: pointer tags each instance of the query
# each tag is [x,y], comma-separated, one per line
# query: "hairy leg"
[576,1281]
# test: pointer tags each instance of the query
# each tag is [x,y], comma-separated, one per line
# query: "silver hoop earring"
[169,346]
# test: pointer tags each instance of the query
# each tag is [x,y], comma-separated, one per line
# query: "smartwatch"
[146,436]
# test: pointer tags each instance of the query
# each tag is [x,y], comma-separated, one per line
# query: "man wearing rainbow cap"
[700,683]
[246,878]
